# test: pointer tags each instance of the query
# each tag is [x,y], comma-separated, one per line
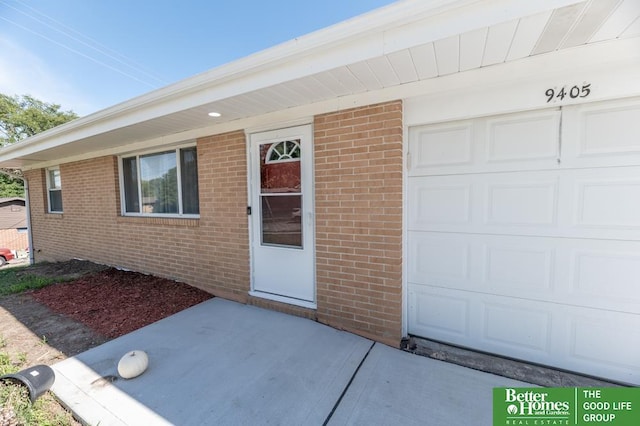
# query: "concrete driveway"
[221,362]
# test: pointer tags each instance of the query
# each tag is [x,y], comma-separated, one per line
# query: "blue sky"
[90,54]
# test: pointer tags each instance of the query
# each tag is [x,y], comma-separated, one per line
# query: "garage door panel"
[444,259]
[605,344]
[442,146]
[574,272]
[601,134]
[609,203]
[512,268]
[442,203]
[485,203]
[437,314]
[494,324]
[516,326]
[616,271]
[523,138]
[583,203]
[599,126]
[523,141]
[606,341]
[453,203]
[605,203]
[525,203]
[516,266]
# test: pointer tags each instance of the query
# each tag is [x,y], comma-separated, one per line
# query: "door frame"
[309,193]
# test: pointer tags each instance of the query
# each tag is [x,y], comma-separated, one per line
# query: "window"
[283,151]
[161,183]
[54,188]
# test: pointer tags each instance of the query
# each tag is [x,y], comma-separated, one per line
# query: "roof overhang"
[398,51]
[11,199]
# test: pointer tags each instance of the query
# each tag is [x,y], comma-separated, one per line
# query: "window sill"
[167,221]
[54,215]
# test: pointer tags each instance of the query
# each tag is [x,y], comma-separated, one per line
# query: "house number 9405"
[573,92]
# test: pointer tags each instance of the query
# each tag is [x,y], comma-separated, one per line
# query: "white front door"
[282,224]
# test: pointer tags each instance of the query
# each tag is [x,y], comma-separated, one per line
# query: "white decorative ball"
[133,364]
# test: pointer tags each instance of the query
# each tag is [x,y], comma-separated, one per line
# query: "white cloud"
[22,72]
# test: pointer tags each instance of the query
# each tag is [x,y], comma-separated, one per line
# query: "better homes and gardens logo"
[566,406]
[534,406]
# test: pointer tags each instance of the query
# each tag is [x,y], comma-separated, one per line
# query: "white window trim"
[49,189]
[138,154]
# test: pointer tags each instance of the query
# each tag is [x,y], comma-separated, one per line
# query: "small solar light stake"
[38,379]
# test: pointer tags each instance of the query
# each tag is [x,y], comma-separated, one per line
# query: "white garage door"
[524,236]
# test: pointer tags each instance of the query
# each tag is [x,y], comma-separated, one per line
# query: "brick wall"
[224,264]
[358,171]
[358,167]
[211,253]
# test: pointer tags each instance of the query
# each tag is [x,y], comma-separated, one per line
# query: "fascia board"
[392,28]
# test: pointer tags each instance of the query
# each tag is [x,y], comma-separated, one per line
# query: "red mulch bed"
[114,302]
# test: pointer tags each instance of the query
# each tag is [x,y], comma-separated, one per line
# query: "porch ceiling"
[405,42]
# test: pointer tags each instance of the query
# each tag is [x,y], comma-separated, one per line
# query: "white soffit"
[405,42]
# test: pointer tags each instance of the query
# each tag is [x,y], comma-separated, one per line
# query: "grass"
[15,406]
[17,280]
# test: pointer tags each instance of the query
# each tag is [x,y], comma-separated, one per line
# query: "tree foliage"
[10,187]
[24,116]
[20,118]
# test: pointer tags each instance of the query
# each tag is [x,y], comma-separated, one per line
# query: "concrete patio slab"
[222,363]
[219,362]
[399,388]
